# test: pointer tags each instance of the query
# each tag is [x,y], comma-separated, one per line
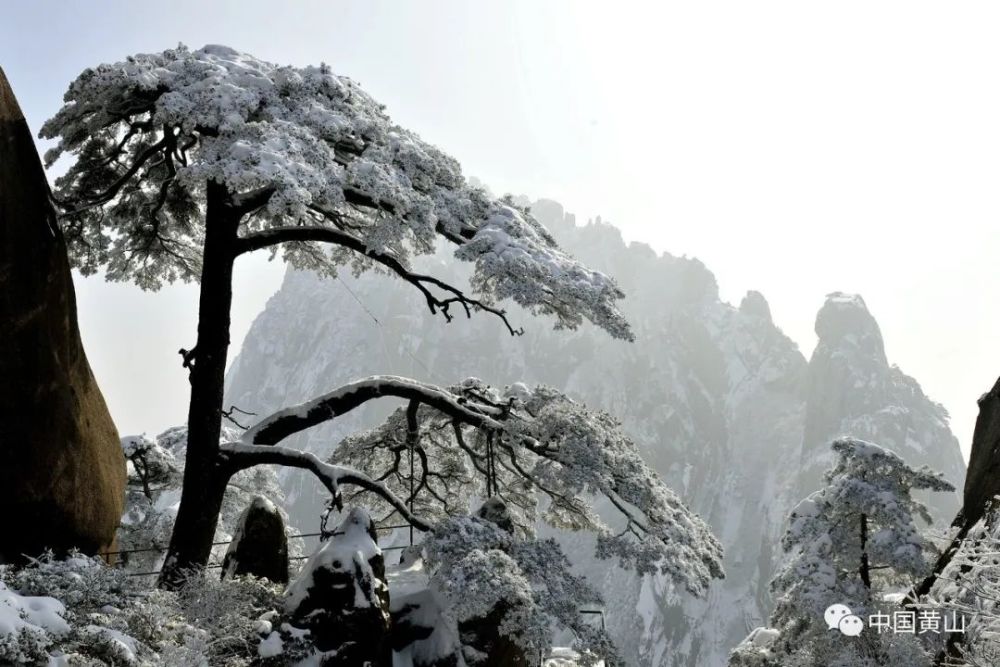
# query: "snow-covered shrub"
[81,612]
[82,583]
[228,610]
[85,593]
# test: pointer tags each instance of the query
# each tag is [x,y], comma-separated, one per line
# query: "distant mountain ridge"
[722,403]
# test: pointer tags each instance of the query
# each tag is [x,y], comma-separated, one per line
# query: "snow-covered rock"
[341,598]
[421,635]
[260,544]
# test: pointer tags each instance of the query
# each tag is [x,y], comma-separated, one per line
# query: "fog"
[795,148]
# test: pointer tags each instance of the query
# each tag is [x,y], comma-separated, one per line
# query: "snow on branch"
[243,455]
[296,149]
[289,421]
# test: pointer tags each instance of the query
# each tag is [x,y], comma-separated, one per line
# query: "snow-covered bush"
[853,542]
[80,612]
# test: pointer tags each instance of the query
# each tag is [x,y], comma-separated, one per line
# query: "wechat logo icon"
[840,617]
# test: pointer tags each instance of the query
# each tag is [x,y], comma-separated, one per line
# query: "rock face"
[721,402]
[62,472]
[983,482]
[342,599]
[260,545]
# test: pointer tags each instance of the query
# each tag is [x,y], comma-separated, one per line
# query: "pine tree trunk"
[205,476]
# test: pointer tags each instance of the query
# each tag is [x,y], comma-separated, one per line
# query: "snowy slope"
[722,403]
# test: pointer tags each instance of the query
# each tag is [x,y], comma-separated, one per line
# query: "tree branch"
[242,455]
[112,190]
[317,233]
[280,425]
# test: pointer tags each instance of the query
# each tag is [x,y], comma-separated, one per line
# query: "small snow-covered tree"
[186,160]
[152,491]
[850,543]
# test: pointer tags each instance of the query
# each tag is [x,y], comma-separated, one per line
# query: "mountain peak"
[844,320]
[755,305]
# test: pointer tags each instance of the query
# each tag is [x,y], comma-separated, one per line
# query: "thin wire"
[360,303]
[216,566]
[218,544]
[382,333]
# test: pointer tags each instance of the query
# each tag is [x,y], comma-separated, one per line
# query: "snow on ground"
[32,613]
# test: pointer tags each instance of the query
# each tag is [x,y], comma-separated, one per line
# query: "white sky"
[795,147]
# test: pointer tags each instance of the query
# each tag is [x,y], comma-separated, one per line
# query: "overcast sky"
[797,148]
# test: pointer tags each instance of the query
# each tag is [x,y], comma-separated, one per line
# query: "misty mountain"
[721,402]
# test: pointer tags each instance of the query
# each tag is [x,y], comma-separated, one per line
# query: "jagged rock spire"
[844,320]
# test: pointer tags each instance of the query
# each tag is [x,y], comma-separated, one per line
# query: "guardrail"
[214,566]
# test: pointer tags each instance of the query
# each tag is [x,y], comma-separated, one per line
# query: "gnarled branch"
[276,235]
[280,425]
[241,455]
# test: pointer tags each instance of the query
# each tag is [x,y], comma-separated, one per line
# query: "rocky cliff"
[62,472]
[723,404]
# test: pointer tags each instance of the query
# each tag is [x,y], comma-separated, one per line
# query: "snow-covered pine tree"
[851,543]
[542,454]
[186,160]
